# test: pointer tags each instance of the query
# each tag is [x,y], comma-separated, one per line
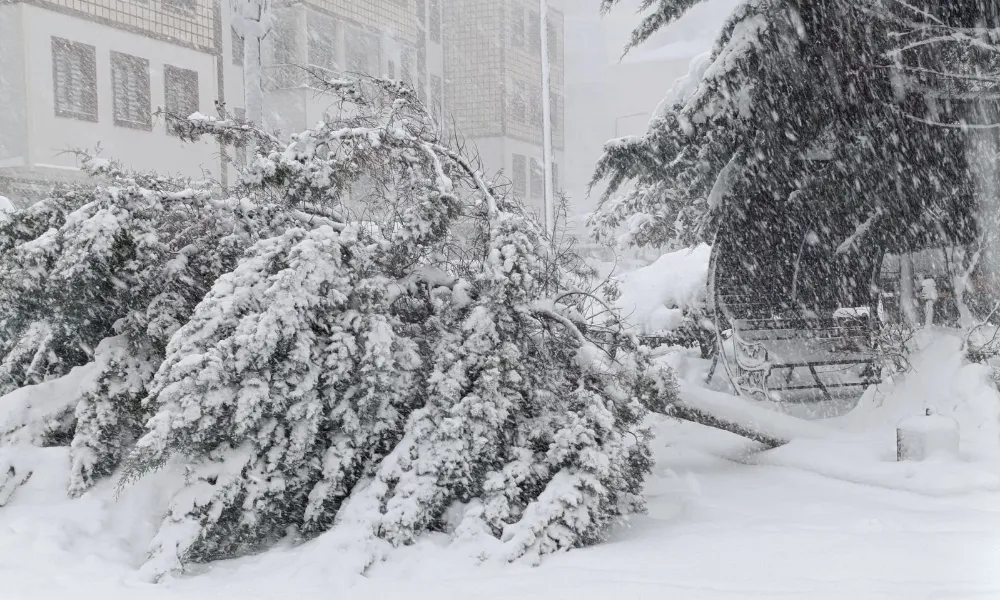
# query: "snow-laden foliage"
[130,257]
[365,336]
[809,118]
[540,457]
[428,350]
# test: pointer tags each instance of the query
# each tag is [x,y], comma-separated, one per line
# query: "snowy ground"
[831,515]
[717,528]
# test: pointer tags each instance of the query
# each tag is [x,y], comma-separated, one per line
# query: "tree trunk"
[701,417]
[906,295]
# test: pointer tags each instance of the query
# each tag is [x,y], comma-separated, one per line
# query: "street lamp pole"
[547,119]
[617,119]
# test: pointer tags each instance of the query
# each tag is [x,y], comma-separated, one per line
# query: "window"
[535,105]
[422,90]
[180,88]
[517,102]
[362,51]
[437,98]
[285,36]
[555,177]
[555,112]
[74,79]
[237,50]
[240,150]
[435,21]
[520,176]
[537,180]
[535,30]
[322,41]
[180,5]
[422,11]
[406,66]
[553,41]
[130,88]
[517,27]
[390,70]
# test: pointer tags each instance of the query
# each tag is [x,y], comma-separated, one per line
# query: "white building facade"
[494,88]
[398,39]
[77,73]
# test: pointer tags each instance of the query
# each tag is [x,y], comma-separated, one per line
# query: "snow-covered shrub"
[128,257]
[365,335]
[413,348]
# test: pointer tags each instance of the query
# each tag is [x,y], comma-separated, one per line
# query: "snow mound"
[27,412]
[864,452]
[653,297]
[944,382]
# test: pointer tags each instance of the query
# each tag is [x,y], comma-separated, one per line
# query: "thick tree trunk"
[743,418]
[701,417]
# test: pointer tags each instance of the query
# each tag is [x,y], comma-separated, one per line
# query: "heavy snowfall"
[437,316]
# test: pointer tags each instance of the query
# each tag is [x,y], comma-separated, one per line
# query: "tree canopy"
[829,116]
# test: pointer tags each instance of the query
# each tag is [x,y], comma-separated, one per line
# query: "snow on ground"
[720,525]
[830,515]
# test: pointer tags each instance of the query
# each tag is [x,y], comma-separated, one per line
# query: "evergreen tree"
[801,123]
[369,375]
[127,259]
[365,335]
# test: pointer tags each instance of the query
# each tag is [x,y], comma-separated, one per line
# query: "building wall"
[196,26]
[50,134]
[494,87]
[13,85]
[394,15]
[494,69]
[475,64]
[392,27]
[498,154]
[34,139]
[472,75]
[523,67]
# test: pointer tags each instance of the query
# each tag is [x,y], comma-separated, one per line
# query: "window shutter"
[520,165]
[74,79]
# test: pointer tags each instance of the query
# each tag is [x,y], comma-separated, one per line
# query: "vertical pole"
[906,292]
[547,120]
[252,81]
[220,81]
[252,19]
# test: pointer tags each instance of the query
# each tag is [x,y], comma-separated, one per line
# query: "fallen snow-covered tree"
[128,258]
[367,325]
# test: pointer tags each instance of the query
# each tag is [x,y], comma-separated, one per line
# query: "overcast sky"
[605,98]
[691,34]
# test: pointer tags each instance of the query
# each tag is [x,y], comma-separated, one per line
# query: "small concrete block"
[928,436]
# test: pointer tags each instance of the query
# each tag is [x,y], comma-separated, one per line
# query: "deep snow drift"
[830,515]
